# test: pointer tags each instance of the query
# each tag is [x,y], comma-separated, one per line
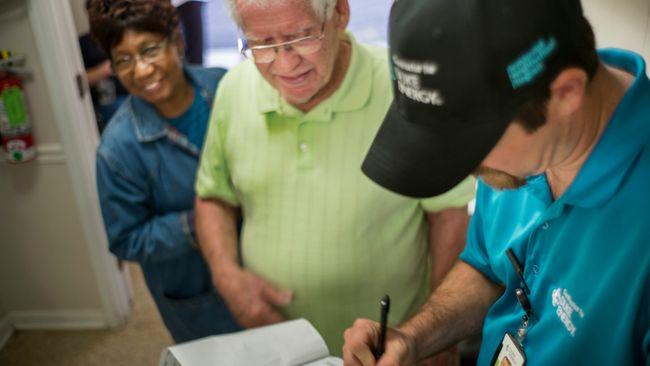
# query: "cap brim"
[424,161]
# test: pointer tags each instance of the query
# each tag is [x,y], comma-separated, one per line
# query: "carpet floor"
[139,342]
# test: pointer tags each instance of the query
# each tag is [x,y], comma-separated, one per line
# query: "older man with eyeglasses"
[290,128]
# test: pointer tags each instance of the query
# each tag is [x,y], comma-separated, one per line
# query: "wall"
[5,327]
[46,278]
[621,23]
[80,17]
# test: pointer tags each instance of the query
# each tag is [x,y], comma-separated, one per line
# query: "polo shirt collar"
[625,136]
[352,94]
[149,125]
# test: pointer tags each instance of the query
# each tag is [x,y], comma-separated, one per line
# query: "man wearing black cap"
[557,268]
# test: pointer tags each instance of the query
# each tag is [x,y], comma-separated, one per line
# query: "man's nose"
[287,59]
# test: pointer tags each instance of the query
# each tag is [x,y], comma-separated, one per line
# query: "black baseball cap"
[460,70]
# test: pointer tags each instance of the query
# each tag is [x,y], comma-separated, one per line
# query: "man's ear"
[568,91]
[342,15]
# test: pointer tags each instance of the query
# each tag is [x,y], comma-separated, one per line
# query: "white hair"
[322,8]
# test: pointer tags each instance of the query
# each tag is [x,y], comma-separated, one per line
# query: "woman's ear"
[179,43]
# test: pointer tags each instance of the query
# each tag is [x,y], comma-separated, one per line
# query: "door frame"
[58,50]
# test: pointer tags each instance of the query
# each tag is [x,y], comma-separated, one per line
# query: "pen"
[385,308]
[517,266]
[525,303]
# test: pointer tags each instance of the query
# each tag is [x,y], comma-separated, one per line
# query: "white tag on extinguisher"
[15,127]
[20,149]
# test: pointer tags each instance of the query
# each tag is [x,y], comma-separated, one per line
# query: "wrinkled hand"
[252,300]
[361,340]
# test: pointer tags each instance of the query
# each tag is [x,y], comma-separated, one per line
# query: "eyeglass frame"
[277,46]
[139,57]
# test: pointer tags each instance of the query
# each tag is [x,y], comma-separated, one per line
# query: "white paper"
[328,361]
[290,343]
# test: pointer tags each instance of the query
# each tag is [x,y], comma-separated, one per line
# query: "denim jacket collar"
[149,125]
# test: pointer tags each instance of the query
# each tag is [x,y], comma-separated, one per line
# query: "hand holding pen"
[367,341]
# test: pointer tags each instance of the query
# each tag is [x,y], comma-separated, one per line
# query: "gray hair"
[322,8]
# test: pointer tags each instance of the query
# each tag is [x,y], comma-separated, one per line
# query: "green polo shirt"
[313,222]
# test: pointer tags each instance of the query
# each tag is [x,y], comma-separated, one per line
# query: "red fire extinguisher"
[15,127]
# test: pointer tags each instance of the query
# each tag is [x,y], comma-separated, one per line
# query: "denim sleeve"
[475,252]
[134,232]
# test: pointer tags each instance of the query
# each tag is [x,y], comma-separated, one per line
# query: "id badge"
[509,353]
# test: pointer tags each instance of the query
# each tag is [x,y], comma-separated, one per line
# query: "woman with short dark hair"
[148,157]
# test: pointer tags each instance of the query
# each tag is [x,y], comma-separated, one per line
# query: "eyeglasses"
[265,54]
[149,54]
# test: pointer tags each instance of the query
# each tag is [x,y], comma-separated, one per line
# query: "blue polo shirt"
[586,256]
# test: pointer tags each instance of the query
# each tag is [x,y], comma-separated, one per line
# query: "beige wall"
[79,14]
[44,260]
[621,23]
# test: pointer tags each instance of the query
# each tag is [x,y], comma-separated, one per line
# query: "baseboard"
[6,329]
[58,319]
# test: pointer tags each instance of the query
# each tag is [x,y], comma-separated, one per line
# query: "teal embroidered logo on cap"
[529,65]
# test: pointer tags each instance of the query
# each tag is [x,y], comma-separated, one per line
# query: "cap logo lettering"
[409,84]
[532,63]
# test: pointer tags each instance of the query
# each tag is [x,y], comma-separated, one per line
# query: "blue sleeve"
[475,252]
[134,232]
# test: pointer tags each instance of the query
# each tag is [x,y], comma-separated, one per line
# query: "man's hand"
[361,341]
[252,300]
[453,312]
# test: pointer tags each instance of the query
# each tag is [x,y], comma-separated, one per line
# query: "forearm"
[447,237]
[97,73]
[453,312]
[216,229]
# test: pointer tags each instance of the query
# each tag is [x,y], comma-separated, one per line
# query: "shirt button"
[535,269]
[303,147]
[545,226]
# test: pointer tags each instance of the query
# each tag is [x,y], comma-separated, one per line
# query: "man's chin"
[500,180]
[501,185]
[297,99]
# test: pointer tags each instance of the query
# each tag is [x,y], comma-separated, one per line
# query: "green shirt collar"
[352,94]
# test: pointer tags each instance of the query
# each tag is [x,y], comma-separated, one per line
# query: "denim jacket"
[145,179]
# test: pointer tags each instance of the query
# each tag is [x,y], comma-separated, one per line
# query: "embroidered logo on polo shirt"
[565,308]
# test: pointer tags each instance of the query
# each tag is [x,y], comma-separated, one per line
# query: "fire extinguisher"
[15,127]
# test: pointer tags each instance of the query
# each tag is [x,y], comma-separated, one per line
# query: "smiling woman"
[150,67]
[147,161]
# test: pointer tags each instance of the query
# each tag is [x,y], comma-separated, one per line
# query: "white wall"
[46,277]
[621,23]
[80,16]
[6,328]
